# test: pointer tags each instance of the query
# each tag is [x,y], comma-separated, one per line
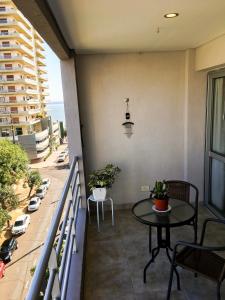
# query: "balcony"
[18,91]
[34,111]
[20,58]
[41,61]
[18,36]
[20,48]
[39,43]
[167,72]
[16,24]
[39,53]
[22,80]
[41,146]
[19,102]
[19,123]
[42,154]
[39,136]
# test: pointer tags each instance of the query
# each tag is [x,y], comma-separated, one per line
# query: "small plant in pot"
[160,194]
[102,179]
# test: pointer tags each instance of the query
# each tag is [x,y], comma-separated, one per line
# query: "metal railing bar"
[73,186]
[39,274]
[76,207]
[48,290]
[74,180]
[60,241]
[65,252]
[67,269]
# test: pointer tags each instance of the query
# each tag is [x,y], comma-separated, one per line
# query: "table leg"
[162,243]
[157,249]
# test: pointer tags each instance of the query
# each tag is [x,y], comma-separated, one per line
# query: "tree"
[8,198]
[13,162]
[4,216]
[34,179]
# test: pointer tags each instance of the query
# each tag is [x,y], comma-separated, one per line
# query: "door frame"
[208,141]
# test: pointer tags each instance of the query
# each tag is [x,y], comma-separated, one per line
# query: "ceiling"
[113,26]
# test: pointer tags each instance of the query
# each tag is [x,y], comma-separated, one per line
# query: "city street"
[17,278]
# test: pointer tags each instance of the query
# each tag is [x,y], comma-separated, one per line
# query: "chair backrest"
[181,190]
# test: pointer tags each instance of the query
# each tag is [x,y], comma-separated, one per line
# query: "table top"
[181,213]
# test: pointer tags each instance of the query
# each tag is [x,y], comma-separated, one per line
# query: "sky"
[54,75]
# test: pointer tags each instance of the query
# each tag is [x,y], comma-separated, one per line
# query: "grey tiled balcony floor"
[116,256]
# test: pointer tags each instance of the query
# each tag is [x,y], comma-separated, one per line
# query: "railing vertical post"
[53,268]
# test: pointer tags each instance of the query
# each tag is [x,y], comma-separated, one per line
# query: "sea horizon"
[56,110]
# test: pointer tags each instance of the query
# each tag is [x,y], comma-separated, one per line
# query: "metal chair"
[91,198]
[181,190]
[200,260]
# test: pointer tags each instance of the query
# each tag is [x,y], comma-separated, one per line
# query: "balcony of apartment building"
[21,91]
[39,44]
[39,53]
[4,46]
[6,22]
[41,61]
[12,35]
[9,68]
[136,95]
[20,58]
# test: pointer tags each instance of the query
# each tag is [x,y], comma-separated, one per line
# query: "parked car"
[2,269]
[21,224]
[7,249]
[34,204]
[61,157]
[46,182]
[65,152]
[41,191]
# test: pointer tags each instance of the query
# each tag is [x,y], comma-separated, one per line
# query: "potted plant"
[101,180]
[160,194]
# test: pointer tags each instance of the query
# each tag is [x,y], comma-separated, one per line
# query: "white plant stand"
[94,198]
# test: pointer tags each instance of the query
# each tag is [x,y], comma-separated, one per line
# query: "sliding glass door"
[215,144]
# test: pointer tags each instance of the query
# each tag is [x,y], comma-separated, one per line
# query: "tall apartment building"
[23,83]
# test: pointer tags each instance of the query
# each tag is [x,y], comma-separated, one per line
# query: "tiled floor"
[116,256]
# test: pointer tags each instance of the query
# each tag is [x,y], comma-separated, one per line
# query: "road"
[15,284]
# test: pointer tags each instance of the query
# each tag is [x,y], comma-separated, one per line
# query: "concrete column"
[72,117]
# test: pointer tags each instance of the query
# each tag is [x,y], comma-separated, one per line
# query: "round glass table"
[181,213]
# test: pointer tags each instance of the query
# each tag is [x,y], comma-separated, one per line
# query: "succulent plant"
[160,190]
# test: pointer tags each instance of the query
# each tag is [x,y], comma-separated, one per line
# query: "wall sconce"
[128,125]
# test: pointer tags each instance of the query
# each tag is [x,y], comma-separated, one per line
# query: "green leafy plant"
[8,199]
[4,216]
[103,177]
[13,162]
[34,180]
[160,190]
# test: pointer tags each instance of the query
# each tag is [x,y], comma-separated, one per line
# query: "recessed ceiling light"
[171,15]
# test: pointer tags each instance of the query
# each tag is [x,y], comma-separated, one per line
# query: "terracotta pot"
[161,204]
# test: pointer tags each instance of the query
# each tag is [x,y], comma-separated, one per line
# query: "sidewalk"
[51,161]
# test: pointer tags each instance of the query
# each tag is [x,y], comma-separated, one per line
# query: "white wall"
[211,54]
[156,84]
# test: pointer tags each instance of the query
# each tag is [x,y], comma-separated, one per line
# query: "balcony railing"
[22,69]
[19,91]
[16,47]
[56,285]
[17,57]
[39,136]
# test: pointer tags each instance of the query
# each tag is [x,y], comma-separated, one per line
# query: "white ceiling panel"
[112,26]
